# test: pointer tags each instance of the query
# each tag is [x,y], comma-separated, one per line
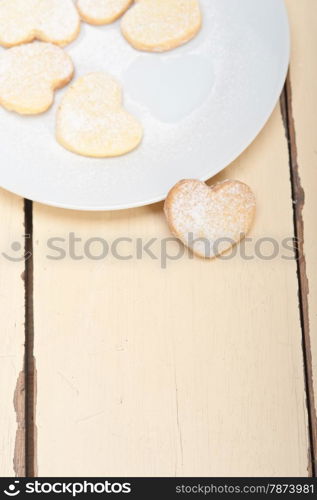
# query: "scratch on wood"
[89,417]
[298,196]
[69,383]
[19,406]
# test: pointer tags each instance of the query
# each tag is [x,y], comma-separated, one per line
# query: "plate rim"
[161,197]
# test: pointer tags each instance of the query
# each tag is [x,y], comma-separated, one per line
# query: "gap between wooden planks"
[302,105]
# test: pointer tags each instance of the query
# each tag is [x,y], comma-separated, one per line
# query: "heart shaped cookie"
[210,220]
[21,21]
[30,73]
[102,11]
[160,25]
[91,120]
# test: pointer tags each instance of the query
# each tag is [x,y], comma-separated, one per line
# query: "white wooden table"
[203,368]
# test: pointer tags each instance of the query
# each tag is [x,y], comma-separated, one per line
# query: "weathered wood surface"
[12,423]
[196,369]
[302,97]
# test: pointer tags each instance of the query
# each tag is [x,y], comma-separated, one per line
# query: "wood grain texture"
[303,111]
[192,370]
[12,451]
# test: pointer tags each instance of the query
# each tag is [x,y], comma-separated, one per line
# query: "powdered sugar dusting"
[216,217]
[91,120]
[102,11]
[55,21]
[29,73]
[158,25]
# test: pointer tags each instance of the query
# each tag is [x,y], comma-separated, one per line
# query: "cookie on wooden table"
[210,220]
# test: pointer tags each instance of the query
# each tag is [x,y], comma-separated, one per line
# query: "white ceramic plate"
[201,105]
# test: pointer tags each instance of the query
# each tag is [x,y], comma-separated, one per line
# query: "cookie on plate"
[91,120]
[21,21]
[160,25]
[30,73]
[102,11]
[210,220]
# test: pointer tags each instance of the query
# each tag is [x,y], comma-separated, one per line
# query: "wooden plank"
[302,108]
[196,369]
[12,425]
